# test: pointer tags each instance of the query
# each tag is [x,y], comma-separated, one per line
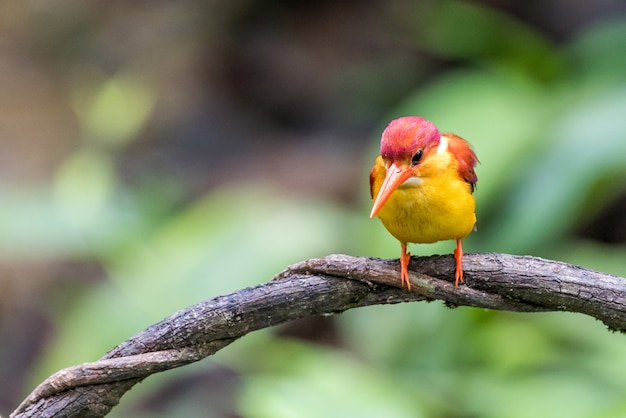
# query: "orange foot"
[458,256]
[404,267]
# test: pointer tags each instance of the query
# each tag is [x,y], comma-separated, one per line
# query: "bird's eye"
[417,157]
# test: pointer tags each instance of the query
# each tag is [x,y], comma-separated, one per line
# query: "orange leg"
[404,267]
[458,256]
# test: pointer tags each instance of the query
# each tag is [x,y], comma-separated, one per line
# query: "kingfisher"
[422,186]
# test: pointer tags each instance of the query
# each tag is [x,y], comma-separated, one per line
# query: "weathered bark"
[322,286]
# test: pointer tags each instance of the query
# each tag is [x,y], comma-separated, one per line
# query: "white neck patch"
[443,145]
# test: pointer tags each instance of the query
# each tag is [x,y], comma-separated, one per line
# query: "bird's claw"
[404,278]
[458,276]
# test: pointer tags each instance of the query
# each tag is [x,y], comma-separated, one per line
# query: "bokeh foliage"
[547,122]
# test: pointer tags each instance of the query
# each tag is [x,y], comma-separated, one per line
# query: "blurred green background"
[156,154]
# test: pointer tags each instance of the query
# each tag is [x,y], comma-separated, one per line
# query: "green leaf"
[587,143]
[465,30]
[112,111]
[317,382]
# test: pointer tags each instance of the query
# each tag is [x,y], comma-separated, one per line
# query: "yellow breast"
[434,205]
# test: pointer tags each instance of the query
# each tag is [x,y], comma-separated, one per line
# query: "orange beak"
[393,179]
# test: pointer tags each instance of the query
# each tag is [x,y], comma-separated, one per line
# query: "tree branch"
[319,286]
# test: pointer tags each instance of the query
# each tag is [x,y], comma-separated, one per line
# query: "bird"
[422,186]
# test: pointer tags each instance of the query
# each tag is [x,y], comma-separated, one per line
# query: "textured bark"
[321,286]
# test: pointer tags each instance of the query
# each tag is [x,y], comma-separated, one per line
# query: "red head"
[405,142]
[404,136]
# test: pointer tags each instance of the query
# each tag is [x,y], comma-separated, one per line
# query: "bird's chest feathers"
[418,199]
[430,208]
